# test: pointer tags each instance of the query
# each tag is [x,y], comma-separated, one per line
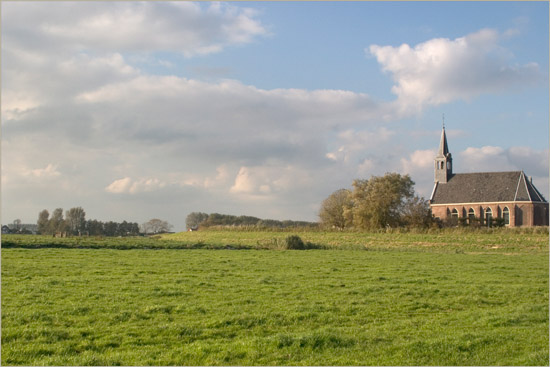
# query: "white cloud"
[128,186]
[419,160]
[184,27]
[269,181]
[119,186]
[420,165]
[367,167]
[49,171]
[245,182]
[491,158]
[485,159]
[442,70]
[352,143]
[79,46]
[533,162]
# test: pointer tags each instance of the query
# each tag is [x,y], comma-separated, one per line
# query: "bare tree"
[17,225]
[156,226]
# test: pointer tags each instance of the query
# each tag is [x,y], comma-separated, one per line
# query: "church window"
[488,217]
[471,216]
[506,216]
[454,216]
[519,216]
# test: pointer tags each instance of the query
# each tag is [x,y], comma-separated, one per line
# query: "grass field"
[450,240]
[412,300]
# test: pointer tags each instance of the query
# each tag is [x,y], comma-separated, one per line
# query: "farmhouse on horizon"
[484,196]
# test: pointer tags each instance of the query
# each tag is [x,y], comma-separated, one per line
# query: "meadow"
[447,240]
[382,299]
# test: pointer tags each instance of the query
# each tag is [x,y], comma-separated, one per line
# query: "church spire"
[443,159]
[443,147]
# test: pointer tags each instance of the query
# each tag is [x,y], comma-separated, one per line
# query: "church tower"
[443,161]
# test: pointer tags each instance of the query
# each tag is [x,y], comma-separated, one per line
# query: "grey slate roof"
[486,187]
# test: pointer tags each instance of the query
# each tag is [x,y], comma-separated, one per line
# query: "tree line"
[197,219]
[74,223]
[379,202]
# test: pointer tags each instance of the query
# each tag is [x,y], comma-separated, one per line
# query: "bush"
[295,243]
[498,222]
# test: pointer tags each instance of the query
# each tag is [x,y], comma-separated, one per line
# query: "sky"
[140,110]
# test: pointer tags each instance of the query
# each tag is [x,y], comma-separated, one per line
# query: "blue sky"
[140,110]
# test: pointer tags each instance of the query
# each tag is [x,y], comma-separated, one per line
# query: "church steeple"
[443,160]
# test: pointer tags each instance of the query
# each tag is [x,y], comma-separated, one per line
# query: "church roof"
[486,187]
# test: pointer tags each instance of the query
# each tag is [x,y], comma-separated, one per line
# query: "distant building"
[5,229]
[484,196]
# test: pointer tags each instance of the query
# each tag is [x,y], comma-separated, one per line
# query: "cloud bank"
[83,126]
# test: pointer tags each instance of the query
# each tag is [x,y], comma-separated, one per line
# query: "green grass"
[496,240]
[504,240]
[407,303]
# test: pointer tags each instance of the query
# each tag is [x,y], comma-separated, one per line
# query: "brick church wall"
[521,214]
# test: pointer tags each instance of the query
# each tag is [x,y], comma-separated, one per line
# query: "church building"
[482,197]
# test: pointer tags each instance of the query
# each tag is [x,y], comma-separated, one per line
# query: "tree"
[379,201]
[123,228]
[43,222]
[134,229]
[110,228]
[156,226]
[194,219]
[76,220]
[57,223]
[17,225]
[94,227]
[332,209]
[417,212]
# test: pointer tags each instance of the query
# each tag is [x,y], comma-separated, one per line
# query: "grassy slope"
[425,305]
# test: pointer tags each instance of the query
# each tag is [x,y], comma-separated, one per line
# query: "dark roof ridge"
[477,173]
[529,185]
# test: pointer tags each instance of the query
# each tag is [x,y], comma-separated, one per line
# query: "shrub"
[295,243]
[498,222]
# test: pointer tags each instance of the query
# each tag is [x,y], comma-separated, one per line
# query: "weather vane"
[444,121]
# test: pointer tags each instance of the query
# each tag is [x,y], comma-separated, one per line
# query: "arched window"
[471,216]
[506,216]
[454,216]
[488,217]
